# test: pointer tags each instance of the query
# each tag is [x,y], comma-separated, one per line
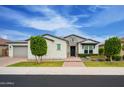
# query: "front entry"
[72,50]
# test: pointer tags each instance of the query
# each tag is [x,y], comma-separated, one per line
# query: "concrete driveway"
[5,61]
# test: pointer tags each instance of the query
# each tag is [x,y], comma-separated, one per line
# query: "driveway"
[5,61]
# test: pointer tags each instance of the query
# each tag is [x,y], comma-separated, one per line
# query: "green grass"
[34,64]
[104,64]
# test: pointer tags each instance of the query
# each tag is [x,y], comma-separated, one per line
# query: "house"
[58,47]
[3,47]
[122,43]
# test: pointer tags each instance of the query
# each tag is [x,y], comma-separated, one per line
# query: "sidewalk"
[62,70]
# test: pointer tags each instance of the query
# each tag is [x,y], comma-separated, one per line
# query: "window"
[90,51]
[58,46]
[86,47]
[85,51]
[91,47]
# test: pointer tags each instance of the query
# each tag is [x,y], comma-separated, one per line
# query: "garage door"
[20,51]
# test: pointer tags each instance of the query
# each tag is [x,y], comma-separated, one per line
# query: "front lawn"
[34,64]
[104,64]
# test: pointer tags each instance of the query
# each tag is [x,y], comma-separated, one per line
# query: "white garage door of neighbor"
[20,51]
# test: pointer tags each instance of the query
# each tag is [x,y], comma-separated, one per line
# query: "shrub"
[123,57]
[101,59]
[87,55]
[116,58]
[101,51]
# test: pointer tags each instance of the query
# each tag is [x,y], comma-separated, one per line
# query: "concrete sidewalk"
[62,70]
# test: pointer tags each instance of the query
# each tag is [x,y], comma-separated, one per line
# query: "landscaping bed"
[104,64]
[34,64]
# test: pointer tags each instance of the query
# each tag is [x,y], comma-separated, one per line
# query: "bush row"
[87,55]
[115,58]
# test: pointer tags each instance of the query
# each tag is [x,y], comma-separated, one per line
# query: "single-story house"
[3,47]
[58,47]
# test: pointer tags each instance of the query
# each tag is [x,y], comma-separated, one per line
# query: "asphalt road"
[61,81]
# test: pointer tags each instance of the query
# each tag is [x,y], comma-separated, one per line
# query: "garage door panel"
[20,51]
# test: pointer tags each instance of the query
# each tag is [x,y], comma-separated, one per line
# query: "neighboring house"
[101,45]
[58,48]
[3,47]
[122,43]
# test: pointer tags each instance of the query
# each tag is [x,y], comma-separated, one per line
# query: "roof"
[3,42]
[10,42]
[43,37]
[74,35]
[90,40]
[93,40]
[55,37]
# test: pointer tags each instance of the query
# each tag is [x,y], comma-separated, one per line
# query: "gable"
[53,37]
[74,39]
[56,39]
[89,41]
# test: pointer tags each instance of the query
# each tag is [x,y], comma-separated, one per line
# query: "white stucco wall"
[10,47]
[52,52]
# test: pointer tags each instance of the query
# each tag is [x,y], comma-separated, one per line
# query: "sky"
[19,22]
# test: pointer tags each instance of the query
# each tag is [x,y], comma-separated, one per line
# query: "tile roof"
[3,41]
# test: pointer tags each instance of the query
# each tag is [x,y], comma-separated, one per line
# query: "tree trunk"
[110,58]
[41,58]
[36,59]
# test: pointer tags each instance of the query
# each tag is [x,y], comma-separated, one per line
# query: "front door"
[72,50]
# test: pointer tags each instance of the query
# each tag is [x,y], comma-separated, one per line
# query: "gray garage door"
[20,51]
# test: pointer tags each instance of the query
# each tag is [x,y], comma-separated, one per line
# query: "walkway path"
[73,62]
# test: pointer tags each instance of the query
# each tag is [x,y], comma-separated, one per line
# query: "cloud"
[95,8]
[53,21]
[11,14]
[13,34]
[4,36]
[50,25]
[107,16]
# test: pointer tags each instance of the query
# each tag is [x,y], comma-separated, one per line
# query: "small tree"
[101,51]
[38,46]
[112,47]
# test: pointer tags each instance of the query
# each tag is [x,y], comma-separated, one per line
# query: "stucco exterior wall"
[122,51]
[10,47]
[52,52]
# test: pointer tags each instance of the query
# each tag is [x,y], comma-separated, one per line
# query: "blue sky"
[94,22]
